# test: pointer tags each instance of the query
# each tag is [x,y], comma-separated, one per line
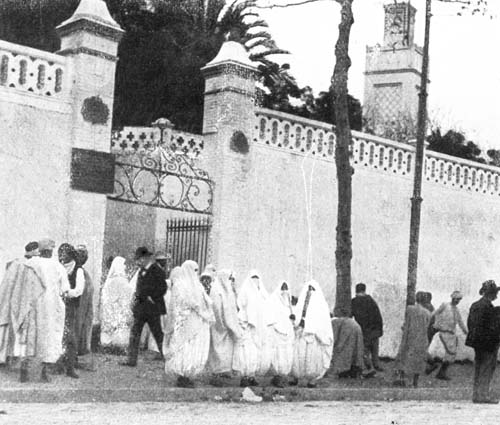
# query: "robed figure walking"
[187,333]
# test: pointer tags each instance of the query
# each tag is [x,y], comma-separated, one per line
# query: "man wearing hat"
[446,319]
[484,337]
[148,305]
[21,292]
[30,251]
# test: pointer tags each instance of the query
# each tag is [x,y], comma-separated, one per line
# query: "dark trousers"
[485,363]
[154,324]
[70,337]
[370,353]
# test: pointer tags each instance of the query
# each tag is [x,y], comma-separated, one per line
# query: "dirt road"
[348,413]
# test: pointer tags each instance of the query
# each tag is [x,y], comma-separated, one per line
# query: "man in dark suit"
[366,312]
[148,304]
[484,337]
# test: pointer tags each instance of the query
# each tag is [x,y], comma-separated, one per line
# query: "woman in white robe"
[314,335]
[116,313]
[283,334]
[252,355]
[226,330]
[187,337]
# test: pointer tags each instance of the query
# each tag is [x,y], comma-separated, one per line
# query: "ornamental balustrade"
[316,139]
[34,71]
[160,172]
[146,139]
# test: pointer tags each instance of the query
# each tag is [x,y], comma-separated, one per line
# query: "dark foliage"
[454,143]
[162,51]
[320,108]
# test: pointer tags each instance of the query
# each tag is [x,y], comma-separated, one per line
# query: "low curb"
[229,394]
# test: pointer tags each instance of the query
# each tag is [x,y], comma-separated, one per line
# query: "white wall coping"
[55,104]
[29,51]
[371,138]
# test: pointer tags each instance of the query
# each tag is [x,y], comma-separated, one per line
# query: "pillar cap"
[92,15]
[234,53]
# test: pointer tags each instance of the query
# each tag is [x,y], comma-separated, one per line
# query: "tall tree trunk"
[416,200]
[343,253]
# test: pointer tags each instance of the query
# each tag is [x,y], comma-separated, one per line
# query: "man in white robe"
[444,345]
[52,311]
[225,331]
[314,335]
[20,292]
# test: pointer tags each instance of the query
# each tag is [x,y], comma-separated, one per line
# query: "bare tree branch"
[299,3]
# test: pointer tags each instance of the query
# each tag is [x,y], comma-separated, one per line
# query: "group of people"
[201,323]
[430,339]
[46,310]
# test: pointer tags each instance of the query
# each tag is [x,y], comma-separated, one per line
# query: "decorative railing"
[462,174]
[316,139]
[146,139]
[294,134]
[30,70]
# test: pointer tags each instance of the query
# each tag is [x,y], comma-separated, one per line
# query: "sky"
[464,93]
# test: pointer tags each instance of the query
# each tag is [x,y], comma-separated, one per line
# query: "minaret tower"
[392,75]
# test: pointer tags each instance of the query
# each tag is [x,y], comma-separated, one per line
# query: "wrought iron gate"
[187,239]
[163,178]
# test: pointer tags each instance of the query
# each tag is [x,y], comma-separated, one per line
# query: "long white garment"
[314,342]
[116,305]
[226,330]
[283,334]
[20,292]
[51,307]
[252,355]
[187,337]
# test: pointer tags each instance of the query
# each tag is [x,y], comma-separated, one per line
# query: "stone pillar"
[90,39]
[228,126]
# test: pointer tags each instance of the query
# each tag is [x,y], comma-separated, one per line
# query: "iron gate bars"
[187,239]
[163,179]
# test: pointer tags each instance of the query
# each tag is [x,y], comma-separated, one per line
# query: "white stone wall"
[266,224]
[41,97]
[34,173]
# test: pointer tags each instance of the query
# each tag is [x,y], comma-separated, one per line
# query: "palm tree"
[239,21]
[166,42]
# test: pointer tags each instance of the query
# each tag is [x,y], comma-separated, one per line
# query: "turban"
[45,244]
